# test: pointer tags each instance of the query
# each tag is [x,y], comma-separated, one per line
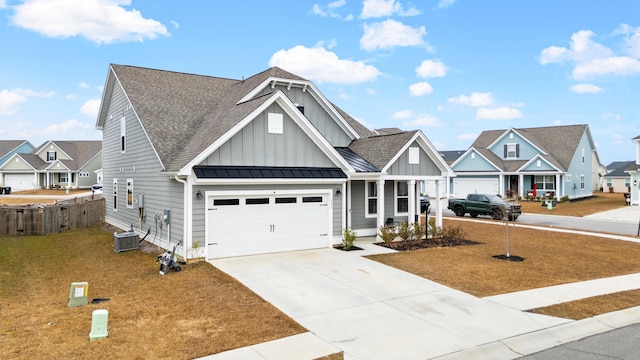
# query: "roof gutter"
[186,228]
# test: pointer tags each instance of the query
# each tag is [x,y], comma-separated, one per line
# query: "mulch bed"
[406,245]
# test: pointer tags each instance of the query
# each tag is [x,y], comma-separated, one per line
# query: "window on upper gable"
[511,151]
[123,135]
[583,156]
[51,156]
[275,123]
[414,156]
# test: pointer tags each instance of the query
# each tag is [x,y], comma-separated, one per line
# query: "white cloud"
[500,113]
[323,66]
[467,136]
[90,108]
[175,24]
[100,21]
[611,116]
[445,3]
[330,9]
[12,100]
[402,114]
[594,59]
[83,85]
[421,88]
[617,65]
[391,33]
[385,8]
[423,120]
[586,88]
[431,69]
[475,99]
[3,4]
[63,129]
[371,91]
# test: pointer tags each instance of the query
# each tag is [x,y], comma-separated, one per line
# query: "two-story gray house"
[54,164]
[232,167]
[551,161]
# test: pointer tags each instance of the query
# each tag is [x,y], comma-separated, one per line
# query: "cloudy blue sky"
[451,68]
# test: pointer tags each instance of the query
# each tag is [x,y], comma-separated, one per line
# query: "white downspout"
[186,227]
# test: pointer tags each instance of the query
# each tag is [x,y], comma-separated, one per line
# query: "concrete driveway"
[372,311]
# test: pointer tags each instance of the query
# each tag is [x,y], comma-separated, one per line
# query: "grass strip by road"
[592,306]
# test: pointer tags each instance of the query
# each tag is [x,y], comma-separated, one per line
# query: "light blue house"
[552,161]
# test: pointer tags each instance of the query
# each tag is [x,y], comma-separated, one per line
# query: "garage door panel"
[284,223]
[462,187]
[19,181]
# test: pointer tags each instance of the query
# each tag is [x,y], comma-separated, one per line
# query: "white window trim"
[367,214]
[515,151]
[66,178]
[567,178]
[581,182]
[123,135]
[129,192]
[55,156]
[275,123]
[396,198]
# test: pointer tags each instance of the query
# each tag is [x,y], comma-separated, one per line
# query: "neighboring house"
[264,164]
[54,164]
[634,172]
[617,178]
[7,149]
[558,160]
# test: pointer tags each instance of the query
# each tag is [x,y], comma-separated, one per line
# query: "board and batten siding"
[358,206]
[425,166]
[316,114]
[254,146]
[17,164]
[140,163]
[199,205]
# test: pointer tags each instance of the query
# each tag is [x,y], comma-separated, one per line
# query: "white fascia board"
[104,101]
[533,159]
[431,151]
[291,110]
[320,98]
[50,167]
[153,146]
[469,151]
[520,135]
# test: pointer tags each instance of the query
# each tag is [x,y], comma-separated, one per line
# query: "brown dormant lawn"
[193,313]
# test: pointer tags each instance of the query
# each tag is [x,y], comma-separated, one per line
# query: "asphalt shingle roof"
[6,146]
[79,151]
[379,150]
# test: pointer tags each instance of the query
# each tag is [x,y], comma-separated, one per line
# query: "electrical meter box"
[126,241]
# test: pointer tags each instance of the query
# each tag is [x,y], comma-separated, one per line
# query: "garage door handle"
[212,243]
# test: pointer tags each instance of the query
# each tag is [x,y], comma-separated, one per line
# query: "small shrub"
[455,232]
[564,198]
[349,236]
[405,231]
[387,234]
[434,231]
[418,230]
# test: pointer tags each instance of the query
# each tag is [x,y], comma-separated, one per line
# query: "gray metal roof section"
[450,156]
[357,162]
[266,172]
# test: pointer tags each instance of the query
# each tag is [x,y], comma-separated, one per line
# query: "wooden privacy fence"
[50,219]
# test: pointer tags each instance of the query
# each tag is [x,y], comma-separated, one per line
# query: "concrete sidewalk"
[372,311]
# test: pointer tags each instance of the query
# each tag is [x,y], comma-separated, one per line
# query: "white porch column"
[348,205]
[69,183]
[501,185]
[557,192]
[438,204]
[413,199]
[380,207]
[521,186]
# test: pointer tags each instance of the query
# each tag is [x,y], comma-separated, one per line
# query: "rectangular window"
[63,177]
[402,198]
[582,182]
[123,135]
[130,193]
[257,201]
[312,199]
[371,198]
[567,178]
[226,202]
[511,151]
[51,156]
[583,156]
[83,174]
[609,182]
[627,182]
[115,194]
[286,200]
[544,182]
[414,156]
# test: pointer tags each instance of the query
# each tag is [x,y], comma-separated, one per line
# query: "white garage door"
[462,187]
[19,181]
[267,223]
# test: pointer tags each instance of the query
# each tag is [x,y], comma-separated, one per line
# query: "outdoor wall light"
[199,195]
[635,182]
[338,192]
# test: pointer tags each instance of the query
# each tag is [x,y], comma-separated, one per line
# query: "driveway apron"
[372,311]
